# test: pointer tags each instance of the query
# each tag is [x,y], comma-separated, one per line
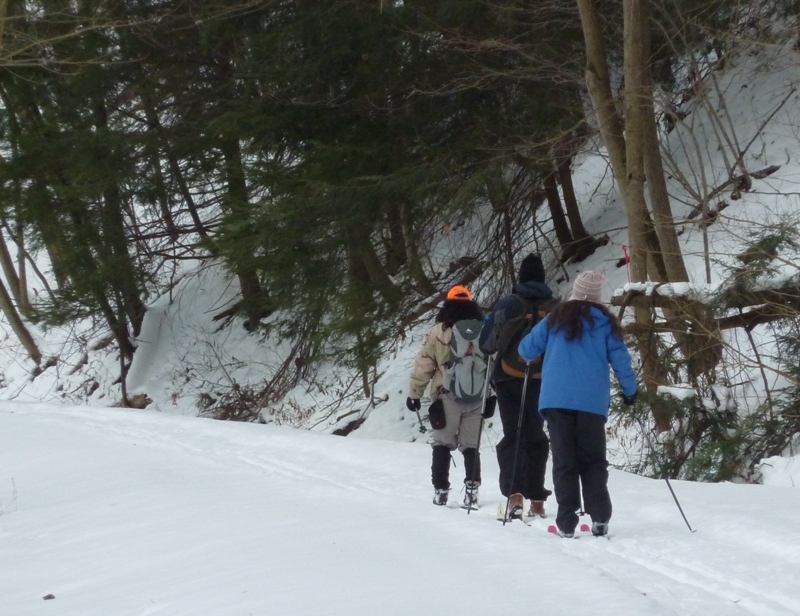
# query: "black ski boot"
[472,480]
[440,474]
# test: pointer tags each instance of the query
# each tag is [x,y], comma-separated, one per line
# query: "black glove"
[413,404]
[488,407]
[436,415]
[629,400]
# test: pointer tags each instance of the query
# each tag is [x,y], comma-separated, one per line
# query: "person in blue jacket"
[580,339]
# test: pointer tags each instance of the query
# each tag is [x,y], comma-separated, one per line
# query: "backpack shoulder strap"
[537,307]
[526,304]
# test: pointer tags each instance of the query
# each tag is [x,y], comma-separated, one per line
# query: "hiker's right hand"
[413,404]
[629,400]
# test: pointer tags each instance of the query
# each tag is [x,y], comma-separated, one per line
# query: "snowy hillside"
[185,357]
[124,513]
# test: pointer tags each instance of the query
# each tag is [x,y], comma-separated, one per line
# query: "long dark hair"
[458,310]
[569,316]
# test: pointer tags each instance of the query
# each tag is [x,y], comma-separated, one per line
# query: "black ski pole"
[519,438]
[421,425]
[480,426]
[669,485]
[664,473]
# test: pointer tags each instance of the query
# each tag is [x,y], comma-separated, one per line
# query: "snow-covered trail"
[134,513]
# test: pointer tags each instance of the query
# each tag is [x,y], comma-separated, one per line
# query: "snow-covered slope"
[129,513]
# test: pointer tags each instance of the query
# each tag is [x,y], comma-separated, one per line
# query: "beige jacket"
[429,365]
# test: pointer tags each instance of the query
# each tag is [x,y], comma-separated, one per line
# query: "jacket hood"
[533,290]
[599,318]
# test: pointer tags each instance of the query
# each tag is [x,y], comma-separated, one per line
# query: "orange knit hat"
[459,292]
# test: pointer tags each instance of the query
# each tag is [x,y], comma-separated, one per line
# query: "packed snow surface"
[116,512]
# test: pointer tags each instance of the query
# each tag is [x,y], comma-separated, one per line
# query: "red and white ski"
[553,530]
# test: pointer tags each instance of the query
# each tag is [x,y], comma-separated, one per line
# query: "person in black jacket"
[529,293]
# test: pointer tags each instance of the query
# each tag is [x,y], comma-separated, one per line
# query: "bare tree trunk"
[395,244]
[18,327]
[252,294]
[177,172]
[113,246]
[700,344]
[563,233]
[3,12]
[634,139]
[52,233]
[9,271]
[583,245]
[155,160]
[579,232]
[22,271]
[415,268]
[663,221]
[25,260]
[635,96]
[634,157]
[377,275]
[599,86]
[629,174]
[656,270]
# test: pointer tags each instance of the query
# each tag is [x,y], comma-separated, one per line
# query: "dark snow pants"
[533,444]
[578,440]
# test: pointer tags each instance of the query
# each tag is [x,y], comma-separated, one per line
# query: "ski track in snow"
[736,575]
[653,564]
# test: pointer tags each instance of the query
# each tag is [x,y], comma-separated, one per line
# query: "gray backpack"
[465,374]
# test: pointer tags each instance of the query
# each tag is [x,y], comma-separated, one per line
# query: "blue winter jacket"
[575,373]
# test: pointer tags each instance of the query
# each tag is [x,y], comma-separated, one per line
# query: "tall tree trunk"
[663,221]
[9,271]
[162,196]
[26,261]
[6,304]
[153,140]
[183,187]
[610,123]
[3,14]
[55,242]
[598,83]
[17,280]
[82,221]
[424,284]
[113,247]
[583,245]
[123,267]
[22,271]
[634,138]
[701,343]
[377,275]
[18,327]
[395,244]
[634,63]
[253,296]
[579,232]
[563,233]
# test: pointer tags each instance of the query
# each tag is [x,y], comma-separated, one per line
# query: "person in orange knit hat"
[455,415]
